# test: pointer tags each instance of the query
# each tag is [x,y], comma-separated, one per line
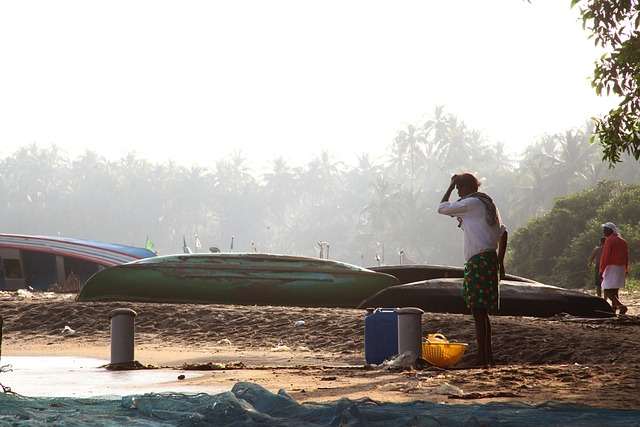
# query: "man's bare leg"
[483,337]
[616,304]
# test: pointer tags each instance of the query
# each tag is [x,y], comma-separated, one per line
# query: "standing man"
[485,244]
[594,261]
[614,265]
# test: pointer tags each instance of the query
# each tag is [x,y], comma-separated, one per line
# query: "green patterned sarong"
[480,286]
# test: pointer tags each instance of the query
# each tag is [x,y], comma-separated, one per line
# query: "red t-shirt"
[615,252]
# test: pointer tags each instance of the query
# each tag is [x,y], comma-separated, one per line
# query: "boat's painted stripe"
[106,254]
[231,261]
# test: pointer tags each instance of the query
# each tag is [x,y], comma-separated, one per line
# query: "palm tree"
[537,180]
[37,180]
[236,193]
[279,186]
[321,178]
[322,217]
[380,216]
[576,160]
[408,147]
[357,189]
[454,144]
[282,200]
[437,124]
[94,185]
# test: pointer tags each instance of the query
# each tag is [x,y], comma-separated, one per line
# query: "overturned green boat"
[236,278]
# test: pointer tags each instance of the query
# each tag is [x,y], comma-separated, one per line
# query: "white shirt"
[478,235]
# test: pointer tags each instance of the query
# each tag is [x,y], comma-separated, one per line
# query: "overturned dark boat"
[237,278]
[517,298]
[409,273]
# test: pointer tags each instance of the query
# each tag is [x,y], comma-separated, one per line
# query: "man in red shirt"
[614,265]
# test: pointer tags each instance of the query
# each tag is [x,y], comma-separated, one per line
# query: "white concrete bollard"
[410,330]
[122,335]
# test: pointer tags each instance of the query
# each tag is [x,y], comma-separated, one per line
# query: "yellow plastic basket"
[440,352]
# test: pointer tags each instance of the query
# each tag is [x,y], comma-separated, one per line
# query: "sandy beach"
[317,354]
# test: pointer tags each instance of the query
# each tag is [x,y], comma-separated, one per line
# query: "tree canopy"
[554,248]
[614,26]
[382,210]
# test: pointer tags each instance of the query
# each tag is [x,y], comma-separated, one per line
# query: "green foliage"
[633,285]
[633,280]
[555,247]
[613,25]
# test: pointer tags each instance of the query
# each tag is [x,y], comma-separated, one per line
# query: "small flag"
[149,245]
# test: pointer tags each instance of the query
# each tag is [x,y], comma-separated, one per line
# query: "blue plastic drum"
[380,335]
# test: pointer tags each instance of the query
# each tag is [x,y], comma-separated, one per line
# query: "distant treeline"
[379,211]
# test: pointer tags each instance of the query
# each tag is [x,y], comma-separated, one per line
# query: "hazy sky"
[193,80]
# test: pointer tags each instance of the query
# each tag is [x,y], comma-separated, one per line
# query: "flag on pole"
[149,245]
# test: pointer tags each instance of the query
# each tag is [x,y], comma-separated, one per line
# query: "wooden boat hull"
[516,299]
[41,261]
[237,278]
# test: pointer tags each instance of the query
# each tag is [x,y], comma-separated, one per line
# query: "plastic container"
[380,335]
[122,335]
[438,351]
[410,330]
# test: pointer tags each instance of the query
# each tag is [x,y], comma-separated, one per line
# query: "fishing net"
[249,404]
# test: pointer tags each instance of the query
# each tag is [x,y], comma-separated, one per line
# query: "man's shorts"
[480,286]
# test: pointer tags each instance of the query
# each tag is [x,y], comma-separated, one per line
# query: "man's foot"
[623,309]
